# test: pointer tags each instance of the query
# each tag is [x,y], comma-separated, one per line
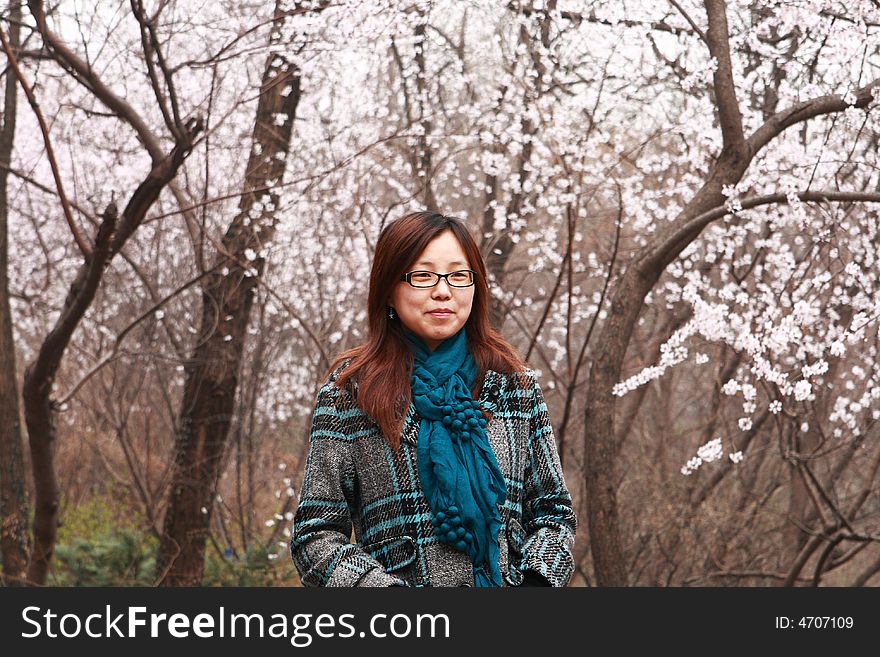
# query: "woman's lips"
[442,314]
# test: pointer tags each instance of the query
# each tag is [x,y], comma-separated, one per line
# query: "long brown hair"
[382,366]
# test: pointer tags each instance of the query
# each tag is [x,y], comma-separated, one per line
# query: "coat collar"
[489,398]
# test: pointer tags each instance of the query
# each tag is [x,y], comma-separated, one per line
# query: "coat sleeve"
[549,520]
[319,543]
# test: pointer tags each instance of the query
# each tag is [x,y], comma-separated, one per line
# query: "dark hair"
[382,366]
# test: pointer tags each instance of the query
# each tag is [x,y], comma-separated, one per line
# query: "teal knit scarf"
[458,469]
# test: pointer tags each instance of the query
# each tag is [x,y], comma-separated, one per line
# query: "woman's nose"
[442,289]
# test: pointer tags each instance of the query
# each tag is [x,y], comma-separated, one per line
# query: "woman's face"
[416,306]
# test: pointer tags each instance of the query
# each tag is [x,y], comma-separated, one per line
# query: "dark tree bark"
[212,371]
[39,407]
[14,535]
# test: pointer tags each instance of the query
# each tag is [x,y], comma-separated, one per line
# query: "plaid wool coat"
[353,478]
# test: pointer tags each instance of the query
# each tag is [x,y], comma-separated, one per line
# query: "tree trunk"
[14,536]
[40,408]
[212,371]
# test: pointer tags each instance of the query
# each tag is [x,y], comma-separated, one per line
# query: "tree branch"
[114,352]
[84,74]
[690,21]
[150,45]
[50,152]
[725,90]
[579,17]
[808,110]
[693,226]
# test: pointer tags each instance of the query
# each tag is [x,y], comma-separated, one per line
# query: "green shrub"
[100,544]
[116,557]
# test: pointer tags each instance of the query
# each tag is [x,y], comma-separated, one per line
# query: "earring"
[390,312]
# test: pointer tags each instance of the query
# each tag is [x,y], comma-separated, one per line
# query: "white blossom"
[711,451]
[803,390]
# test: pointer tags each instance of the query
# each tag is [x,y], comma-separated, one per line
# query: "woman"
[458,483]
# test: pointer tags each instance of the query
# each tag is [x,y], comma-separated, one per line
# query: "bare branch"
[50,152]
[117,343]
[86,76]
[150,44]
[690,21]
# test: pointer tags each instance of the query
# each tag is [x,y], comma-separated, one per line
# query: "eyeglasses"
[460,278]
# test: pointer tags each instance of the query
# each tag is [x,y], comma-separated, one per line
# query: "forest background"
[676,200]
